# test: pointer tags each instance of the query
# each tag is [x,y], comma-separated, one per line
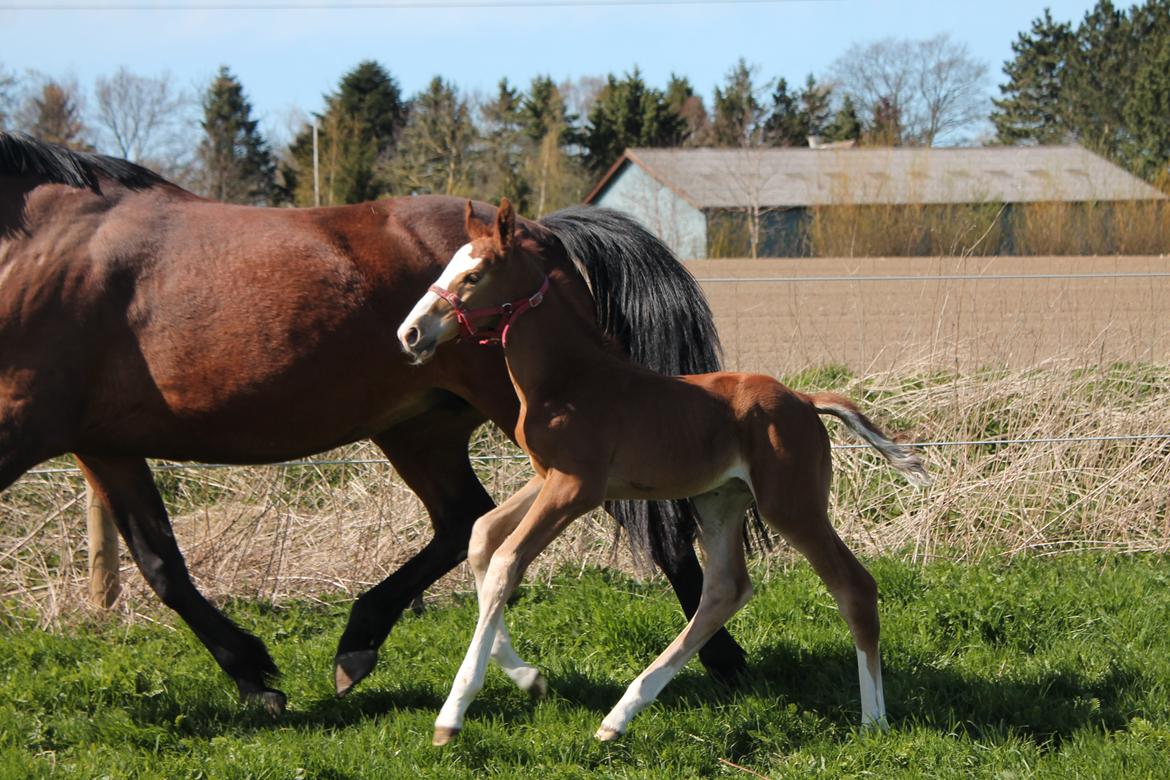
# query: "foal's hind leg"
[804,523]
[126,486]
[726,588]
[721,654]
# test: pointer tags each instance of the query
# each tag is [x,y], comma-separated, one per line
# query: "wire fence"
[309,463]
[1050,450]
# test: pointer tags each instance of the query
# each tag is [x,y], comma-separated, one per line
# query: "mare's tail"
[654,308]
[900,457]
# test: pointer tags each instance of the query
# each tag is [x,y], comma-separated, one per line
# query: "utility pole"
[316,170]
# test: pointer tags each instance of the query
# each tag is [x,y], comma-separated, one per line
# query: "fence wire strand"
[521,457]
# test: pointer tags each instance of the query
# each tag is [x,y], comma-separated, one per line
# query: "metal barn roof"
[791,177]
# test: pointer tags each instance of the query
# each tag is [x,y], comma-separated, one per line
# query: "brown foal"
[597,427]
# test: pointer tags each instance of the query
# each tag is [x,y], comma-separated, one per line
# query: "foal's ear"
[475,228]
[505,229]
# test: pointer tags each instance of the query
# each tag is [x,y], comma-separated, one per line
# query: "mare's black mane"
[23,155]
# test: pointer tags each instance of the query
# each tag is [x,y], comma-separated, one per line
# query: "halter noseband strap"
[508,313]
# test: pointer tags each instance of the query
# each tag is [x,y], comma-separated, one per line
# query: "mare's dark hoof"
[351,668]
[726,668]
[272,701]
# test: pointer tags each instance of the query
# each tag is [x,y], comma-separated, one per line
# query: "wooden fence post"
[104,584]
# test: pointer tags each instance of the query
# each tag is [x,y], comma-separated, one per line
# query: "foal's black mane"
[647,300]
[23,155]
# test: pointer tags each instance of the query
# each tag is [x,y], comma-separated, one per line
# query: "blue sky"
[287,59]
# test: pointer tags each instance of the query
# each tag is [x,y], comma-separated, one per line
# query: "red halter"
[508,313]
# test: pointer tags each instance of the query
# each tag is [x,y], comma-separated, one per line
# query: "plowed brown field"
[785,325]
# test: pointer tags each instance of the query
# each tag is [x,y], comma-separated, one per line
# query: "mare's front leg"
[561,500]
[726,588]
[429,452]
[126,486]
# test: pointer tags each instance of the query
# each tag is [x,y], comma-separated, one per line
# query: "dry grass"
[278,533]
[260,532]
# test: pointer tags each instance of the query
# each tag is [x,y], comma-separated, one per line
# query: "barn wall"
[676,222]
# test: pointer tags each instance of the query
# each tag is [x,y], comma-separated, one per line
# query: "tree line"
[1104,83]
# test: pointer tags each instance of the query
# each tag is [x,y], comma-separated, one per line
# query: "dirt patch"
[799,319]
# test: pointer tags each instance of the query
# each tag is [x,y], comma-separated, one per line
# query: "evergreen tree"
[886,129]
[505,147]
[1031,104]
[786,125]
[1147,146]
[554,175]
[357,133]
[628,113]
[815,106]
[737,111]
[544,109]
[1103,84]
[434,151]
[681,99]
[237,166]
[1099,78]
[845,125]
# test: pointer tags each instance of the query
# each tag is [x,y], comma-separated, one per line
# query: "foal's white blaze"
[461,262]
[873,699]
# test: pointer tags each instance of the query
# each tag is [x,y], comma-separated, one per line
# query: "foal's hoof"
[351,668]
[272,701]
[443,735]
[539,688]
[606,734]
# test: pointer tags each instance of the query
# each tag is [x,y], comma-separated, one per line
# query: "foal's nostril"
[411,337]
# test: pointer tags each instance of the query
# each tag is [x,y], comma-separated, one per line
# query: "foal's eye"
[472,277]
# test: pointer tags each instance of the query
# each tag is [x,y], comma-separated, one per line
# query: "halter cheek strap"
[508,313]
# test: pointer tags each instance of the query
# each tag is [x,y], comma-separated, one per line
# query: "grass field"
[1024,668]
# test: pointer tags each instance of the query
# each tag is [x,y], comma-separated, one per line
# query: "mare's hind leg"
[429,452]
[726,588]
[126,486]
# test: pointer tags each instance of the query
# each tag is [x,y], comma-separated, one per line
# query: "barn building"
[799,201]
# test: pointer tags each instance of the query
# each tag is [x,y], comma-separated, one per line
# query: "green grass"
[1053,667]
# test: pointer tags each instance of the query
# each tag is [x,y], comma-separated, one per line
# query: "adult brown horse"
[138,320]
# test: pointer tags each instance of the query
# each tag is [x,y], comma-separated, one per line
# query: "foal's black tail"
[651,304]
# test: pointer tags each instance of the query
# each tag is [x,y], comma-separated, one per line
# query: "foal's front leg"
[487,535]
[561,500]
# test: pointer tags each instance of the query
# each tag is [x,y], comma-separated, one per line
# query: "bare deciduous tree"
[934,87]
[140,117]
[8,86]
